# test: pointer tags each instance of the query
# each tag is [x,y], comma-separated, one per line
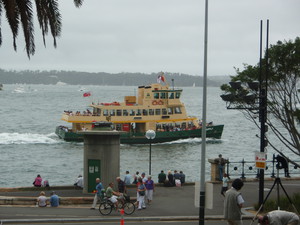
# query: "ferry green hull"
[139,138]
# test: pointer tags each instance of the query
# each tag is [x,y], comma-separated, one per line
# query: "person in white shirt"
[279,217]
[42,200]
[224,184]
[79,181]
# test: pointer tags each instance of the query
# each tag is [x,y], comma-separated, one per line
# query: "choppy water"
[28,145]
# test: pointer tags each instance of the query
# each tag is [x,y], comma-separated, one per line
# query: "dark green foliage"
[271,204]
[280,77]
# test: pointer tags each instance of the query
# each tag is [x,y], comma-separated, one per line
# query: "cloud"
[152,36]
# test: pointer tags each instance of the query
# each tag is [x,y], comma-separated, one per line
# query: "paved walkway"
[173,204]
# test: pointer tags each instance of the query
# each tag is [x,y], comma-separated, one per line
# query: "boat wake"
[194,141]
[186,141]
[27,138]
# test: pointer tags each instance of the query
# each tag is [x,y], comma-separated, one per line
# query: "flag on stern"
[86,94]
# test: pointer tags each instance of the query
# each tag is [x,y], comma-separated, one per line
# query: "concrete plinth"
[101,158]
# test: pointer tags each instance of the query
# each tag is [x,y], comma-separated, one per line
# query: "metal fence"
[246,169]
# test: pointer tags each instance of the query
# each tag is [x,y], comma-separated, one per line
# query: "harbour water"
[29,146]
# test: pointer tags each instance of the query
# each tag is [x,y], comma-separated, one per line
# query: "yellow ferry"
[157,107]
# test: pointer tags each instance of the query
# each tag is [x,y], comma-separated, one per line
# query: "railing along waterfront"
[246,169]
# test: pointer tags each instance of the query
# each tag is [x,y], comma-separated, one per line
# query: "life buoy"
[154,102]
[160,102]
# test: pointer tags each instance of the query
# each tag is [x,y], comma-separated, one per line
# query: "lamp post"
[253,99]
[150,134]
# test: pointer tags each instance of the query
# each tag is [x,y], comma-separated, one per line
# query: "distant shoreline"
[102,78]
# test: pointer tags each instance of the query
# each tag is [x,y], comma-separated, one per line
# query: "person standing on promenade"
[141,189]
[38,181]
[99,188]
[279,217]
[136,177]
[144,178]
[121,185]
[54,199]
[149,189]
[127,178]
[233,203]
[42,200]
[224,184]
[162,177]
[221,164]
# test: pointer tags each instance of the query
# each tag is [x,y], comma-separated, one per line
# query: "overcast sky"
[156,35]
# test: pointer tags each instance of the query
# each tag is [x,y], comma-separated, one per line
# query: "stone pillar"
[214,171]
[101,158]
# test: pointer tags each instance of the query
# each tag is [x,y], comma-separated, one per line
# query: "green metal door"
[93,173]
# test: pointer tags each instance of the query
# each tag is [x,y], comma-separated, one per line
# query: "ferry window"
[156,95]
[151,111]
[158,126]
[171,95]
[177,110]
[145,112]
[112,112]
[138,112]
[177,94]
[125,112]
[170,111]
[164,111]
[119,112]
[132,112]
[118,126]
[157,111]
[105,112]
[163,95]
[183,126]
[97,112]
[190,125]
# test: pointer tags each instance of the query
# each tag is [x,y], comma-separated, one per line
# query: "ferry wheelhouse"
[157,107]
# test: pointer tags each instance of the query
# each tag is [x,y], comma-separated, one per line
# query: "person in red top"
[38,181]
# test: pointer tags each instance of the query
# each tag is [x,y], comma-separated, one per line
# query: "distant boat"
[157,108]
[1,87]
[23,89]
[60,83]
[194,84]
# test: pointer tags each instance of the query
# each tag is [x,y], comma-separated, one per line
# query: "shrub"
[284,203]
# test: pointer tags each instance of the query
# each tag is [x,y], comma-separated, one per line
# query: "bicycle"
[106,206]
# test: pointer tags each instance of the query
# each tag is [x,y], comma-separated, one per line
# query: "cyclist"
[112,195]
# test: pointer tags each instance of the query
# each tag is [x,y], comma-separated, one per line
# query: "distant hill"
[102,78]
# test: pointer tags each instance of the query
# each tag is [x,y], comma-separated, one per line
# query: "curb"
[112,219]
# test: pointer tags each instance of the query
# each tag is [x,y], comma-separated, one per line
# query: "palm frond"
[43,21]
[78,3]
[49,17]
[26,14]
[13,18]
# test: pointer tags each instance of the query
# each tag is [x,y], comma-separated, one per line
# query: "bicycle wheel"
[105,208]
[129,208]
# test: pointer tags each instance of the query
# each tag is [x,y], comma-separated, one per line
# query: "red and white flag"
[160,78]
[86,94]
